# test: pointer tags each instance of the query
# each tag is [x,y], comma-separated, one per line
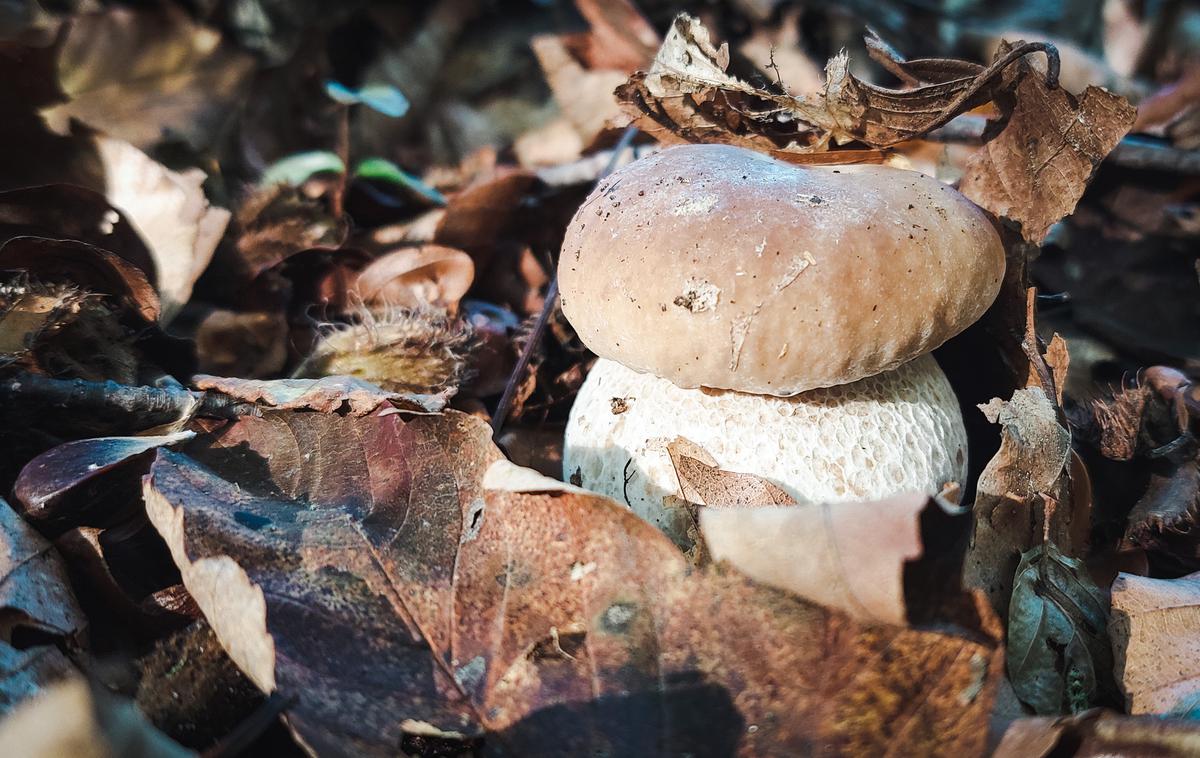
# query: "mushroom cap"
[717,266]
[899,431]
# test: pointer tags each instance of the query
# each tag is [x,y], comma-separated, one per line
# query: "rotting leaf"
[339,573]
[1155,629]
[38,613]
[1059,659]
[1038,158]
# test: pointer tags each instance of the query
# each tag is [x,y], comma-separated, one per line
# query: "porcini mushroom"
[899,431]
[809,295]
[716,266]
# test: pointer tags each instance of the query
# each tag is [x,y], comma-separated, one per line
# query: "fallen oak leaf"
[1155,630]
[326,395]
[402,537]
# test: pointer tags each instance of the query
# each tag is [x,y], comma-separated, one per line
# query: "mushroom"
[778,316]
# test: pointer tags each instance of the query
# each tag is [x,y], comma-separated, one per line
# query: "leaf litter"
[261,407]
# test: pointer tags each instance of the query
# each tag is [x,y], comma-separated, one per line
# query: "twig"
[343,151]
[251,728]
[539,326]
[162,404]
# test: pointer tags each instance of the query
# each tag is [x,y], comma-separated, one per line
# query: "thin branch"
[539,326]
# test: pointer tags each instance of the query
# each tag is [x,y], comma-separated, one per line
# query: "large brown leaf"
[370,567]
[1155,628]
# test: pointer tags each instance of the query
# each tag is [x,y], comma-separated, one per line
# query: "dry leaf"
[1009,511]
[145,75]
[76,720]
[430,275]
[86,482]
[250,344]
[1155,629]
[39,613]
[326,395]
[171,213]
[277,222]
[377,569]
[702,482]
[1039,157]
[1100,734]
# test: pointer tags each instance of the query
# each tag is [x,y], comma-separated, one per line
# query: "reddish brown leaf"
[430,275]
[336,558]
[326,395]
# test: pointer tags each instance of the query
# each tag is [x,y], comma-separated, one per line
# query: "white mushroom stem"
[899,431]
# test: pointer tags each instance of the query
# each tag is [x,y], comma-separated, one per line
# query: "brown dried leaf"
[326,395]
[1155,629]
[554,619]
[143,75]
[1039,157]
[1099,734]
[277,222]
[38,613]
[703,483]
[250,344]
[81,721]
[429,275]
[1010,513]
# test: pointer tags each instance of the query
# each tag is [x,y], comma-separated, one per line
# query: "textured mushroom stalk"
[900,431]
[715,266]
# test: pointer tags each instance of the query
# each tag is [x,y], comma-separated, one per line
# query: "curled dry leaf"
[275,223]
[1099,734]
[401,577]
[1155,629]
[89,482]
[327,395]
[906,563]
[1010,512]
[1038,158]
[170,211]
[1058,653]
[82,721]
[430,275]
[688,96]
[86,266]
[39,614]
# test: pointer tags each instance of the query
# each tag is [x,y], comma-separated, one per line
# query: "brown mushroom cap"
[716,266]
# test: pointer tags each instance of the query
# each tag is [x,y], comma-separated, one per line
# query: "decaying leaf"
[38,614]
[1040,156]
[1010,509]
[326,395]
[279,221]
[403,568]
[83,721]
[429,275]
[1155,629]
[1099,734]
[702,482]
[1058,653]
